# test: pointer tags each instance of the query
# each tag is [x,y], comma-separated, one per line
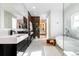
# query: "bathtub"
[68,43]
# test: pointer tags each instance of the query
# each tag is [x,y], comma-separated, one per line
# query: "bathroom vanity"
[8,45]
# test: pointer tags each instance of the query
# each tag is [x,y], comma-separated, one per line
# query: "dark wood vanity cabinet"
[8,49]
[23,45]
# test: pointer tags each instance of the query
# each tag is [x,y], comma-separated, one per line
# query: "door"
[36,23]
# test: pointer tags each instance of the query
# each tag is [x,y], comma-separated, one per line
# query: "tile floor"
[38,47]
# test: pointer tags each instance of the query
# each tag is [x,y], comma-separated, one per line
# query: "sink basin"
[12,39]
[8,39]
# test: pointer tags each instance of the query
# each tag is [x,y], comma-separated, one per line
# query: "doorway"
[41,24]
[43,28]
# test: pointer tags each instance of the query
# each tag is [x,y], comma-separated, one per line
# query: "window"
[75,21]
[14,23]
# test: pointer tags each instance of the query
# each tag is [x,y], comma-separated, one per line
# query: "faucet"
[12,32]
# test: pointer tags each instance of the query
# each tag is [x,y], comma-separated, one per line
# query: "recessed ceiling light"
[34,7]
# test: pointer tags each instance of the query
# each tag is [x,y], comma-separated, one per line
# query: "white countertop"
[21,37]
[12,39]
[8,39]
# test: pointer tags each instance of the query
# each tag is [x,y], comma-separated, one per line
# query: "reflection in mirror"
[11,17]
[7,19]
[14,23]
[71,29]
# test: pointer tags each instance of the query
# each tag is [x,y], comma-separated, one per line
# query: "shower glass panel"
[71,29]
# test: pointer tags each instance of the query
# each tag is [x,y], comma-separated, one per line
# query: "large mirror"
[13,17]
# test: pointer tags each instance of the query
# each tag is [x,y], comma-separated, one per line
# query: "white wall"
[0,16]
[49,25]
[68,12]
[0,19]
[7,20]
[56,21]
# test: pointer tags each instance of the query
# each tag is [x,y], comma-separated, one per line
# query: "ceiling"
[36,9]
[41,8]
[67,5]
[16,9]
